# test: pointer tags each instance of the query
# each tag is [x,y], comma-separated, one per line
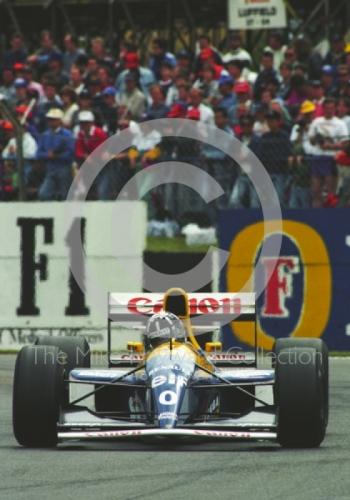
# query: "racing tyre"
[322,353]
[299,398]
[37,395]
[76,355]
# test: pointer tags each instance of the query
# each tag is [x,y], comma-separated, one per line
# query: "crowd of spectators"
[291,107]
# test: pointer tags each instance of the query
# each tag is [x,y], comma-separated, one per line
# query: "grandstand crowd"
[291,107]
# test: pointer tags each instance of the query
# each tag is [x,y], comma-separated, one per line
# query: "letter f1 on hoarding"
[39,295]
[256,14]
[308,293]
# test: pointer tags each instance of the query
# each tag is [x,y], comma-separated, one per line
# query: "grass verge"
[178,244]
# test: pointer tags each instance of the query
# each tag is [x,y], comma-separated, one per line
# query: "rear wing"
[204,309]
[200,312]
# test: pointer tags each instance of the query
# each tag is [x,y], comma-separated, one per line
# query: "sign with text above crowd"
[308,290]
[256,14]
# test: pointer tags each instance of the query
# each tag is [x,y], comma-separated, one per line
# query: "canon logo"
[224,434]
[206,305]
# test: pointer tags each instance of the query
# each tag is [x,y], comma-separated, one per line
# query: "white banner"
[256,14]
[39,295]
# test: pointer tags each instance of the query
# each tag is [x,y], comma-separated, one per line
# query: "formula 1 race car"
[167,387]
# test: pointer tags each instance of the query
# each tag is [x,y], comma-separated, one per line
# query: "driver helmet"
[163,326]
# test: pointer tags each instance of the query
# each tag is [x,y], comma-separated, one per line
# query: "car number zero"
[168,398]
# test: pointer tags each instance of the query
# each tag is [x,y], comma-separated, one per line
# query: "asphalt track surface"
[132,471]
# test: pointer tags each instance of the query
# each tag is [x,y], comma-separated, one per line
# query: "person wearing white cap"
[54,114]
[86,117]
[56,150]
[235,50]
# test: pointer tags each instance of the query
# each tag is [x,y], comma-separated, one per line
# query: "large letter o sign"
[317,279]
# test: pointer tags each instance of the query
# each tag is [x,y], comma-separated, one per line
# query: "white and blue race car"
[169,387]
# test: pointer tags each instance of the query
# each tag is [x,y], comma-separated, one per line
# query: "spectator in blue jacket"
[56,148]
[72,51]
[17,53]
[228,99]
[160,56]
[131,62]
[47,49]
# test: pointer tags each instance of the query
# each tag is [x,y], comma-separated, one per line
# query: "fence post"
[20,163]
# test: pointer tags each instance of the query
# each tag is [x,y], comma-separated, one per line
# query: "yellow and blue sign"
[308,293]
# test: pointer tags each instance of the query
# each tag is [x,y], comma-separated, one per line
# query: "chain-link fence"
[302,180]
[292,179]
